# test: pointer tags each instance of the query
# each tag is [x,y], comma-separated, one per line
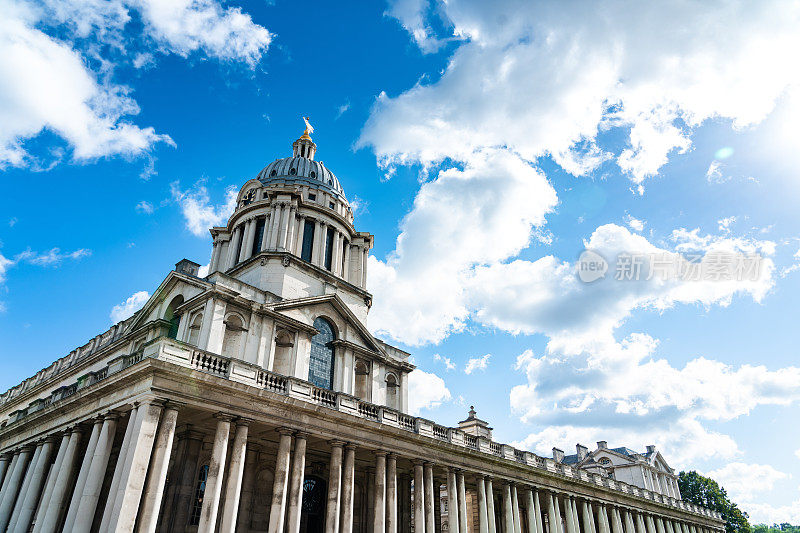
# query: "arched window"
[273,173]
[313,174]
[282,362]
[362,380]
[320,367]
[173,319]
[292,171]
[232,341]
[194,329]
[392,389]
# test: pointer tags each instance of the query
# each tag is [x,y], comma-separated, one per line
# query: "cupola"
[304,146]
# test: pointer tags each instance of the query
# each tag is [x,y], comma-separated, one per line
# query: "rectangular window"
[199,493]
[240,239]
[260,223]
[329,249]
[308,241]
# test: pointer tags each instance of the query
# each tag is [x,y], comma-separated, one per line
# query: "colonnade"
[283,230]
[49,486]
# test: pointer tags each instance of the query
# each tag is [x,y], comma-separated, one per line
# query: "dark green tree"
[704,491]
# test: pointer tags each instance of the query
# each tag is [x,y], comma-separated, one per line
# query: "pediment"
[173,285]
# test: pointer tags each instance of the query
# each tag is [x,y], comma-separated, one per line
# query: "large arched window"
[320,367]
[232,341]
[173,319]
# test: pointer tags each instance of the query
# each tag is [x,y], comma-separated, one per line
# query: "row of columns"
[62,493]
[284,230]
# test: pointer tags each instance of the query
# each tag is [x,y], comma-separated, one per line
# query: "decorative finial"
[472,411]
[309,128]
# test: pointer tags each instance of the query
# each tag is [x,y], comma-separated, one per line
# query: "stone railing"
[239,371]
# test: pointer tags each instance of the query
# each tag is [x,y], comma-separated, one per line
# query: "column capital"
[111,415]
[173,405]
[380,453]
[337,443]
[285,431]
[351,446]
[420,462]
[301,435]
[224,417]
[391,455]
[243,421]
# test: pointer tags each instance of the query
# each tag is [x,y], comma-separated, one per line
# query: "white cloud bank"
[198,211]
[64,86]
[544,78]
[477,363]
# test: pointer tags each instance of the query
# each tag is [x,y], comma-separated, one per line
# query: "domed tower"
[292,234]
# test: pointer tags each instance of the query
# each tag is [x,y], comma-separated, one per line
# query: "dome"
[301,171]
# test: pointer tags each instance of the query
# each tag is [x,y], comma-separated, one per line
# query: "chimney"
[602,445]
[651,448]
[185,266]
[558,455]
[582,450]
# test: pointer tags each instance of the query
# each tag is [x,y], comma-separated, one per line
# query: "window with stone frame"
[320,366]
[199,494]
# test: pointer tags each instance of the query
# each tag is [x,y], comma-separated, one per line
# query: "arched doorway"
[312,517]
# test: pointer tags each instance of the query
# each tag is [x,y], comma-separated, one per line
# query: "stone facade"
[255,399]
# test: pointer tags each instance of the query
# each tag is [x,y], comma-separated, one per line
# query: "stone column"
[233,488]
[51,508]
[490,506]
[247,240]
[318,249]
[639,523]
[277,513]
[668,526]
[650,524]
[346,260]
[602,519]
[452,501]
[15,480]
[336,258]
[537,509]
[430,499]
[569,516]
[157,477]
[286,226]
[515,509]
[586,515]
[236,236]
[508,509]
[119,469]
[462,502]
[419,498]
[11,466]
[216,474]
[553,514]
[290,233]
[34,491]
[131,485]
[628,523]
[483,517]
[265,235]
[26,482]
[5,459]
[275,215]
[296,486]
[391,493]
[298,237]
[332,506]
[283,227]
[660,525]
[84,514]
[51,480]
[379,510]
[348,482]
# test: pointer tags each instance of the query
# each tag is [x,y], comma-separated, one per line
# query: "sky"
[487,146]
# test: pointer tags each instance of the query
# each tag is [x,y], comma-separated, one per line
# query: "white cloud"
[745,481]
[542,78]
[46,85]
[197,209]
[766,513]
[714,173]
[57,63]
[477,363]
[342,109]
[797,453]
[481,214]
[634,223]
[725,224]
[126,309]
[448,363]
[185,26]
[52,257]
[203,271]
[145,207]
[425,391]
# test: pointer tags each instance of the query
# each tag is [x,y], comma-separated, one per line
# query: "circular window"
[292,171]
[273,173]
[313,174]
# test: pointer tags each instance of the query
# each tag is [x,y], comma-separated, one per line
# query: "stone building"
[648,470]
[255,399]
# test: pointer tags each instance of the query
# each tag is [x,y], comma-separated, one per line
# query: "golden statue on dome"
[309,129]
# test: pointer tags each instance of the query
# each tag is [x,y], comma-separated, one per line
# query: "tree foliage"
[776,528]
[704,491]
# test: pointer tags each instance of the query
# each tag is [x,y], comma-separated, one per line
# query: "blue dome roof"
[301,171]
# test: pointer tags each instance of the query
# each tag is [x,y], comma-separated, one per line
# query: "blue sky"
[485,148]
